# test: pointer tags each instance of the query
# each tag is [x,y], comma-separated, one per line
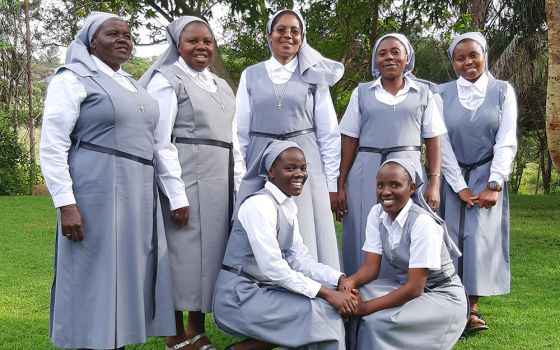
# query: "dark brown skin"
[433,157]
[112,43]
[348,154]
[71,222]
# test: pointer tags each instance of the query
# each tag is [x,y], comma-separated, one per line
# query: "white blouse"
[169,166]
[432,123]
[65,95]
[324,116]
[471,96]
[426,237]
[299,272]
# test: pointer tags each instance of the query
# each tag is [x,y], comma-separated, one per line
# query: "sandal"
[197,337]
[178,346]
[477,326]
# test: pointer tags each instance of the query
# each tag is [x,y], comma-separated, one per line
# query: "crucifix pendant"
[142,108]
[279,105]
[393,107]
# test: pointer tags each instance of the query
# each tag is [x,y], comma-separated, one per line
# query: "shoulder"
[259,204]
[77,68]
[221,82]
[443,87]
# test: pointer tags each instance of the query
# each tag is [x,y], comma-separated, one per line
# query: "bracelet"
[434,174]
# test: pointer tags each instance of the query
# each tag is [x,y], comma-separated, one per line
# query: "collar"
[480,84]
[191,72]
[107,70]
[276,192]
[408,84]
[401,218]
[291,66]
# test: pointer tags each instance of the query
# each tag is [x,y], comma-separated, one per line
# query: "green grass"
[528,318]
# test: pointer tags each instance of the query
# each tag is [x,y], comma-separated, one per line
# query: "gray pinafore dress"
[481,234]
[294,122]
[434,320]
[102,294]
[245,305]
[385,133]
[203,136]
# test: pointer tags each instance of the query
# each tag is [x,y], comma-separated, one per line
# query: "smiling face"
[196,45]
[394,188]
[112,43]
[469,60]
[285,37]
[289,172]
[391,58]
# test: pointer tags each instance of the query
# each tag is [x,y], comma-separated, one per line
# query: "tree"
[553,90]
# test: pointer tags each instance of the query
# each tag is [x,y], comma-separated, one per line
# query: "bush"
[13,162]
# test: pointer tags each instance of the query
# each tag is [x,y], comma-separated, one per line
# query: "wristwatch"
[494,186]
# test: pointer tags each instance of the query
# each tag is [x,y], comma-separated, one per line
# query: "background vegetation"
[32,31]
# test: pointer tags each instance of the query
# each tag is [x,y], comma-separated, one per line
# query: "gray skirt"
[275,315]
[434,320]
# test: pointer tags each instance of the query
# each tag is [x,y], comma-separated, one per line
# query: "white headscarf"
[170,55]
[409,54]
[314,68]
[78,52]
[476,36]
[418,198]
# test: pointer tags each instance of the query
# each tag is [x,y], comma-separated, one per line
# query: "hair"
[286,12]
[467,40]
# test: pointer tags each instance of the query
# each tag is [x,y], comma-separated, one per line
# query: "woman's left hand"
[432,196]
[333,196]
[180,216]
[487,198]
[360,309]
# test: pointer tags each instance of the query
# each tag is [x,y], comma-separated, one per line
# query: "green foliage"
[136,66]
[13,160]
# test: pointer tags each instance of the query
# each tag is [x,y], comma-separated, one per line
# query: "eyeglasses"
[283,31]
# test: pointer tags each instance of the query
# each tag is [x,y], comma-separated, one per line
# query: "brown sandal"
[477,326]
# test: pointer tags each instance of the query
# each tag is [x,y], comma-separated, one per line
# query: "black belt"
[222,144]
[145,161]
[463,213]
[385,151]
[240,272]
[440,282]
[282,136]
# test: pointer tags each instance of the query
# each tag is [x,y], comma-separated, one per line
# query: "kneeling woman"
[425,308]
[268,285]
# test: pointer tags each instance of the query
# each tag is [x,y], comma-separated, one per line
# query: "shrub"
[13,162]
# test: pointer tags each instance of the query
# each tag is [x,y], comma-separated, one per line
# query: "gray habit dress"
[197,249]
[434,320]
[481,234]
[269,312]
[387,130]
[296,116]
[102,297]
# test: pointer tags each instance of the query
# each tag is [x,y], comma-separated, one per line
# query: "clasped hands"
[351,302]
[485,199]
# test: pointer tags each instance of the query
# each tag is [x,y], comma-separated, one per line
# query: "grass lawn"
[528,318]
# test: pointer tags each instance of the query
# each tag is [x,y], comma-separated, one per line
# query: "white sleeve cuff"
[63,199]
[178,202]
[332,186]
[496,177]
[314,288]
[459,185]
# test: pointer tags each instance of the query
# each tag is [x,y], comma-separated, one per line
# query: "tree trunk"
[552,8]
[31,118]
[373,26]
[478,12]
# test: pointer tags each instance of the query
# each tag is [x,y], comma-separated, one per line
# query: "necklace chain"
[279,105]
[221,100]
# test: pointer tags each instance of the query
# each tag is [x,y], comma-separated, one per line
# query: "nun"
[197,126]
[480,113]
[270,290]
[287,98]
[385,119]
[112,283]
[425,306]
